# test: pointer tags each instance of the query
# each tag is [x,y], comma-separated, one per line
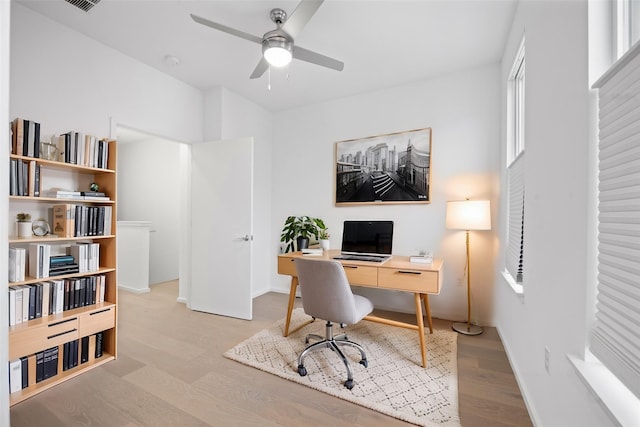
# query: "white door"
[222,227]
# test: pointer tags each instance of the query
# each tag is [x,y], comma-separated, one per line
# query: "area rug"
[394,383]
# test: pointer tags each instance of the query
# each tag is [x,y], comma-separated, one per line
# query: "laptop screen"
[368,237]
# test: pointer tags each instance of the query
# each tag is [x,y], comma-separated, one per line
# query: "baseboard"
[523,389]
[134,290]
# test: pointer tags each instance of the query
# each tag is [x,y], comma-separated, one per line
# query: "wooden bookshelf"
[38,334]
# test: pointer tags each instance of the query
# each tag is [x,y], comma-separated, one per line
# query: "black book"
[100,221]
[65,355]
[82,283]
[25,140]
[39,289]
[75,352]
[24,362]
[93,193]
[36,183]
[76,294]
[64,269]
[84,354]
[66,295]
[51,362]
[99,337]
[36,139]
[33,293]
[39,366]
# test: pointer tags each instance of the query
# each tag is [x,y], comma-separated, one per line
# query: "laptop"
[370,241]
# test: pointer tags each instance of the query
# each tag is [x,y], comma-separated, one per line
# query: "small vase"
[25,229]
[324,244]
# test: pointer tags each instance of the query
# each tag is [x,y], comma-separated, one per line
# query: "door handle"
[245,238]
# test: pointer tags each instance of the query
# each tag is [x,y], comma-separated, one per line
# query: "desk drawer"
[287,266]
[34,339]
[361,275]
[97,320]
[407,279]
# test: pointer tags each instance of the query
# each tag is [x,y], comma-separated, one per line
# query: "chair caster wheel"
[348,384]
[364,363]
[302,371]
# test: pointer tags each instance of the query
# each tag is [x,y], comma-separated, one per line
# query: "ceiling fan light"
[277,56]
[277,51]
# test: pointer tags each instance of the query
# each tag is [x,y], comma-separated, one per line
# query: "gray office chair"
[326,294]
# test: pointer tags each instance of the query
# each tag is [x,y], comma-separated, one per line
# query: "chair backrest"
[326,293]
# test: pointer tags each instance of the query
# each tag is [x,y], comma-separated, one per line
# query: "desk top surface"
[396,261]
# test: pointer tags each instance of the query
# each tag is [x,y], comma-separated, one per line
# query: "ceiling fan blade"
[260,69]
[300,17]
[226,29]
[316,58]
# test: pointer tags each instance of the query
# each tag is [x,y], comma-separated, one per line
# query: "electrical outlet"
[547,356]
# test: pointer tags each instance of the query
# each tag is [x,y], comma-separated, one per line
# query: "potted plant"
[24,225]
[300,229]
[323,236]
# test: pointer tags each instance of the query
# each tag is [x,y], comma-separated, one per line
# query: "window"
[615,339]
[515,110]
[627,25]
[515,168]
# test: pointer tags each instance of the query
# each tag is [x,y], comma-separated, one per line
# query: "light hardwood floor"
[170,372]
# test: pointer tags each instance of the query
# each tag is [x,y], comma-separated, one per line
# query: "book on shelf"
[19,178]
[17,260]
[39,366]
[15,375]
[24,361]
[39,254]
[99,345]
[25,139]
[50,362]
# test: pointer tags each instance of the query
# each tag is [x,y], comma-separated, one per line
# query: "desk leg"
[425,299]
[420,320]
[292,299]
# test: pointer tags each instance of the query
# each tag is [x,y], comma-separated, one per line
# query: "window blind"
[615,338]
[515,231]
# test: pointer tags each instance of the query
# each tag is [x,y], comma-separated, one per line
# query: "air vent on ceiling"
[85,5]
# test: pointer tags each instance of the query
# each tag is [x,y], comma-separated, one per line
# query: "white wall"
[148,186]
[5,13]
[66,81]
[463,111]
[553,311]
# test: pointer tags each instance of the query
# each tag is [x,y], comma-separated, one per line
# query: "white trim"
[617,400]
[517,288]
[619,64]
[528,402]
[133,290]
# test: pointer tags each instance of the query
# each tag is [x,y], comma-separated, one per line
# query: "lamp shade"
[469,215]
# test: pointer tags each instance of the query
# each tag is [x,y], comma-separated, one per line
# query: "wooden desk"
[396,274]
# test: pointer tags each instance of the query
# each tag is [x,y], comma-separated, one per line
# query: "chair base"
[333,343]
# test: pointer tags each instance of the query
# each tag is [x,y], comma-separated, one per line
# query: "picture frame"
[394,168]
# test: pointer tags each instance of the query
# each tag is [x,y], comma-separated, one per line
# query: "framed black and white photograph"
[384,169]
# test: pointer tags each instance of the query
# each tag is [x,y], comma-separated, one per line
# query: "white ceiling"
[382,43]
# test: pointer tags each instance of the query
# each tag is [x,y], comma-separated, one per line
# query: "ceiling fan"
[278,45]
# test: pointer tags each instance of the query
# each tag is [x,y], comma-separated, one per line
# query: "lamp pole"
[467,328]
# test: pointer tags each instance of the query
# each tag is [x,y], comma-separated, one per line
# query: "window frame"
[516,105]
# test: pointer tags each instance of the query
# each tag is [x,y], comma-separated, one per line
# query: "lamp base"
[466,329]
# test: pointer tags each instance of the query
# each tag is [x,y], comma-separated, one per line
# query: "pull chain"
[269,78]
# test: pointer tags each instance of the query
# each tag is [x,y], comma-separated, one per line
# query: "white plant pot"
[25,229]
[324,244]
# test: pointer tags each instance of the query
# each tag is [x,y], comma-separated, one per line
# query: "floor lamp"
[468,215]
